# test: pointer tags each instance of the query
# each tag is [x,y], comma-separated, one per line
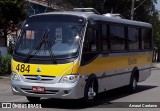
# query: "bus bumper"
[56,90]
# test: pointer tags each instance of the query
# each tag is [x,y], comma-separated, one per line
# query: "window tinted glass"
[104,37]
[147,38]
[90,46]
[60,31]
[117,37]
[90,43]
[133,38]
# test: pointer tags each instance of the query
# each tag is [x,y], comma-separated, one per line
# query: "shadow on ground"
[102,99]
[155,68]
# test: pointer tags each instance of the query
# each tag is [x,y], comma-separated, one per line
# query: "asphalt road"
[148,91]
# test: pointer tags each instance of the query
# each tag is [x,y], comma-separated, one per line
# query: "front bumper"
[56,90]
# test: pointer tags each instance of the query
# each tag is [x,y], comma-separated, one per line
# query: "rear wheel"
[33,99]
[133,83]
[90,92]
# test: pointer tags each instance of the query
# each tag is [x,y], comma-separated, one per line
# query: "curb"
[157,65]
[5,77]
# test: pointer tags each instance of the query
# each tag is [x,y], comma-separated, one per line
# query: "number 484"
[23,68]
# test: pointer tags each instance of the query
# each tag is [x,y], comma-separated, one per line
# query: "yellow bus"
[73,55]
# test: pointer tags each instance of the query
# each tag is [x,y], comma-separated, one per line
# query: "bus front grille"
[39,78]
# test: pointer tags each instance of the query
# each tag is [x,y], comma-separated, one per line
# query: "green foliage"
[97,4]
[12,13]
[5,65]
[143,9]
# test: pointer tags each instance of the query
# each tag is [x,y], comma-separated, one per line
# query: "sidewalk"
[156,64]
[5,77]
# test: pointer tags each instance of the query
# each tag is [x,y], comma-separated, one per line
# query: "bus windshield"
[62,35]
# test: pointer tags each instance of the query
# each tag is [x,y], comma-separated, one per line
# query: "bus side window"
[117,39]
[104,37]
[90,47]
[146,38]
[90,43]
[133,38]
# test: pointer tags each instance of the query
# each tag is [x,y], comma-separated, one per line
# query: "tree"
[144,10]
[97,4]
[156,32]
[12,13]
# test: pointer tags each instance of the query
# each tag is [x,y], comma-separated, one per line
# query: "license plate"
[38,89]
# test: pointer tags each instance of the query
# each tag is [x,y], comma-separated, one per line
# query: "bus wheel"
[90,91]
[133,83]
[33,99]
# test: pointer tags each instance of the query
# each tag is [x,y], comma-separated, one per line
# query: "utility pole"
[132,10]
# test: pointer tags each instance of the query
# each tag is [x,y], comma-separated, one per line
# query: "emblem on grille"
[38,70]
[38,77]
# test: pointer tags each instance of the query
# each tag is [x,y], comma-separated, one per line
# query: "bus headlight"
[69,79]
[15,76]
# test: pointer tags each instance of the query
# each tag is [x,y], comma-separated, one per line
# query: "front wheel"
[33,99]
[90,92]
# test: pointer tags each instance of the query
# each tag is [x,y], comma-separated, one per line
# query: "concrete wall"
[3,51]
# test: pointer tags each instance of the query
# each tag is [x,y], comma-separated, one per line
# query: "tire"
[33,99]
[133,83]
[90,92]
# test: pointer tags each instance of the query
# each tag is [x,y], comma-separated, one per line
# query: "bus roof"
[89,15]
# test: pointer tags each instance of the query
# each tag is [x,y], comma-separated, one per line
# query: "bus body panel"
[115,70]
[112,72]
[48,70]
[144,74]
[116,62]
[56,90]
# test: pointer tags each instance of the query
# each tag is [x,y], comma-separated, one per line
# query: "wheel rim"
[134,85]
[91,92]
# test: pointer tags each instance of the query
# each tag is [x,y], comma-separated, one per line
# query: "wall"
[3,51]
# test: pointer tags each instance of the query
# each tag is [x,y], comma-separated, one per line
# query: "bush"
[5,65]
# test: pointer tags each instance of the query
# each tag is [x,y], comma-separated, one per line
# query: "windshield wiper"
[39,44]
[45,39]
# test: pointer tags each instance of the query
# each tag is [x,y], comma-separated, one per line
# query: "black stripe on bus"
[121,73]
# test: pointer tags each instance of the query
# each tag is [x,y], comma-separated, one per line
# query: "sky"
[158,5]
